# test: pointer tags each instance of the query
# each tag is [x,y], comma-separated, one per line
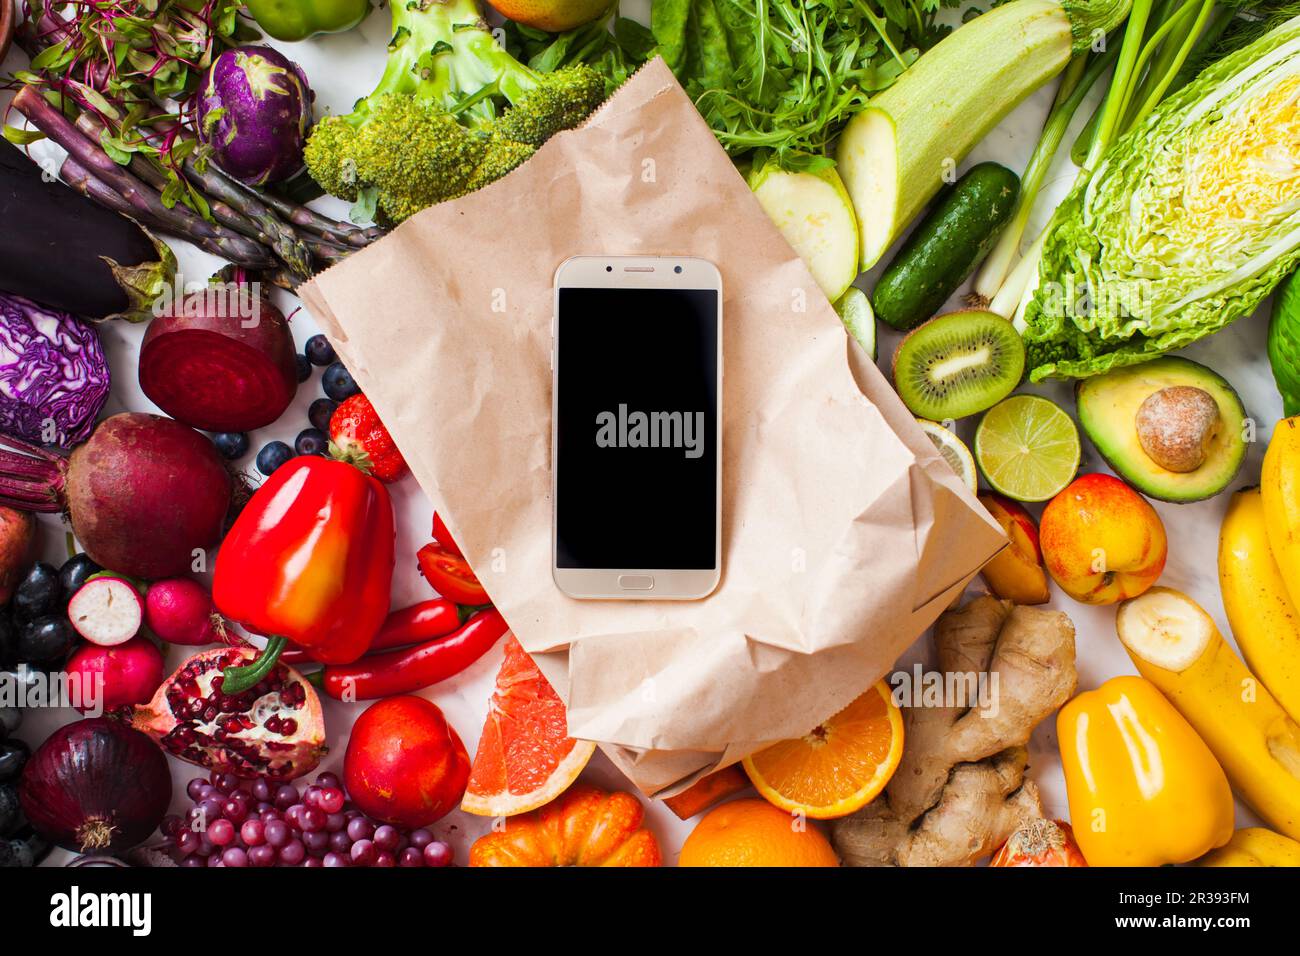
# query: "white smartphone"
[636,428]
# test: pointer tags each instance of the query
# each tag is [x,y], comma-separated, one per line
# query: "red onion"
[96,785]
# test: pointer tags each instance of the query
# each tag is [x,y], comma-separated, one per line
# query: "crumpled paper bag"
[844,533]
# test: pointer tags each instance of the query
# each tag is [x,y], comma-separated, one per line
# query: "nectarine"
[1102,541]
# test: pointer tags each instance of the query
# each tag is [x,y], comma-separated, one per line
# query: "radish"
[106,610]
[144,493]
[180,611]
[130,672]
[222,361]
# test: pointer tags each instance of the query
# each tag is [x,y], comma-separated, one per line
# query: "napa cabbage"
[1188,222]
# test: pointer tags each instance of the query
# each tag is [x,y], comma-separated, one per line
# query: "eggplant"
[65,252]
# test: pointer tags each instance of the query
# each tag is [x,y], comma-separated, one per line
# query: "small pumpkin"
[583,826]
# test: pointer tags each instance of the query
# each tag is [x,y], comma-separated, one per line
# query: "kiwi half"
[958,364]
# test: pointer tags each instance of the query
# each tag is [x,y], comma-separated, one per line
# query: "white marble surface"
[340,68]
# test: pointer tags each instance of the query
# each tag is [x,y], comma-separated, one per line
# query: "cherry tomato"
[450,575]
[443,536]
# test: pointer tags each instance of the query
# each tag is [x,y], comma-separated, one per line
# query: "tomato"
[450,575]
[443,536]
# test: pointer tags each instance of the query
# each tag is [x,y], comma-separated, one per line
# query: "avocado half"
[1108,405]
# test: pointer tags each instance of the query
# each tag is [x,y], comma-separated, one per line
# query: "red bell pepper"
[408,670]
[310,560]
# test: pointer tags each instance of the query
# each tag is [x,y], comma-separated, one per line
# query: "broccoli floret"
[453,112]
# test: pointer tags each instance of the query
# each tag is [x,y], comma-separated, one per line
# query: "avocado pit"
[1176,427]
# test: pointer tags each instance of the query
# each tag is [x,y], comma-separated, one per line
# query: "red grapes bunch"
[236,823]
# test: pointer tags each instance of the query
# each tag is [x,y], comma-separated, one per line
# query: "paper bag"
[844,534]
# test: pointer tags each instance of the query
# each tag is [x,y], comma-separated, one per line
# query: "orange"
[752,832]
[837,767]
[525,757]
[554,16]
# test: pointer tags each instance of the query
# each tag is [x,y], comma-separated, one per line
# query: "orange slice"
[525,757]
[837,767]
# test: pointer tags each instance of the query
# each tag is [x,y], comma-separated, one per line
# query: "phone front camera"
[609,268]
[677,269]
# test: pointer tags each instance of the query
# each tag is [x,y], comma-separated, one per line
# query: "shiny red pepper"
[309,559]
[408,670]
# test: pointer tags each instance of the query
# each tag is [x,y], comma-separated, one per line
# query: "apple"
[1102,541]
[1016,572]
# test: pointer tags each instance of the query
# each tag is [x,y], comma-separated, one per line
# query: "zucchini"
[1284,343]
[855,312]
[892,154]
[945,248]
[814,213]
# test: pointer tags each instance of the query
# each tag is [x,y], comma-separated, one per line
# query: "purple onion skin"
[96,786]
[254,110]
[54,378]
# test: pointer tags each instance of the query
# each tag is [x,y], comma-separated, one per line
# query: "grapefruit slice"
[525,757]
[839,766]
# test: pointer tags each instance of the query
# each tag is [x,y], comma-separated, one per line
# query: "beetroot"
[144,492]
[131,673]
[222,362]
[180,611]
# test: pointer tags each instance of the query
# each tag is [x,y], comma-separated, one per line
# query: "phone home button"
[636,582]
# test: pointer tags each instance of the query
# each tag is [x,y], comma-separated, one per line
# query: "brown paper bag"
[844,533]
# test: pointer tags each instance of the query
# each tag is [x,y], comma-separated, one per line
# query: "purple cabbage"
[53,376]
[253,111]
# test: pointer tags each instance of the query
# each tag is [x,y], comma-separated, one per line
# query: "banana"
[1254,846]
[1177,647]
[1263,619]
[1279,485]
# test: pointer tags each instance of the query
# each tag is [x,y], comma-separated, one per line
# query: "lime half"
[954,452]
[1027,447]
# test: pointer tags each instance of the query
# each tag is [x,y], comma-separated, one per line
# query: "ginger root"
[960,789]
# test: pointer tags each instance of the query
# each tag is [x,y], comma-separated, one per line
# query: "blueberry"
[272,456]
[304,367]
[74,573]
[319,351]
[46,640]
[38,593]
[13,757]
[338,382]
[232,445]
[320,413]
[311,441]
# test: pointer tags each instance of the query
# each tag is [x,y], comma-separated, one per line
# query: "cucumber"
[947,246]
[1284,343]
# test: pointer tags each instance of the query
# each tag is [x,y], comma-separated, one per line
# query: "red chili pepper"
[406,671]
[436,617]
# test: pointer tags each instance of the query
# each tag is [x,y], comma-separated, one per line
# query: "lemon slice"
[1027,447]
[954,452]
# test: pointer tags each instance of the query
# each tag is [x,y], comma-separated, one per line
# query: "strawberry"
[358,437]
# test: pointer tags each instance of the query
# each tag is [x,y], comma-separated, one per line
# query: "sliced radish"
[106,611]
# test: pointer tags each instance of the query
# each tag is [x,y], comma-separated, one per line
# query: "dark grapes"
[231,445]
[304,367]
[311,441]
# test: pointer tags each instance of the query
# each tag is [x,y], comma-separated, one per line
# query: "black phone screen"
[636,432]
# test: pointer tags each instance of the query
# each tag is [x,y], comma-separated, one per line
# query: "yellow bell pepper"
[1144,789]
[1254,846]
